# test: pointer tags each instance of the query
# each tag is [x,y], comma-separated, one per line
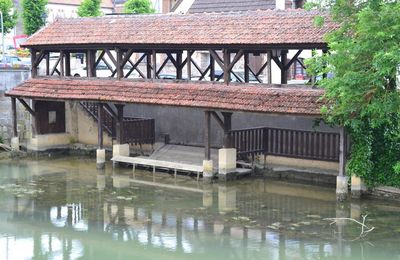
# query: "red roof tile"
[262,27]
[250,98]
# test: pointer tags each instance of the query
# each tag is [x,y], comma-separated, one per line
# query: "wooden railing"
[108,120]
[138,131]
[286,142]
[134,130]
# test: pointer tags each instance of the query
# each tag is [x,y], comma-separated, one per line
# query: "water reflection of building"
[81,217]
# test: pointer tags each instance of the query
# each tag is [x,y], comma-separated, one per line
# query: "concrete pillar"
[208,167]
[15,144]
[100,158]
[342,188]
[120,150]
[226,164]
[357,187]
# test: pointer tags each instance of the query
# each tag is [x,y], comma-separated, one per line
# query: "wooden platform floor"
[183,154]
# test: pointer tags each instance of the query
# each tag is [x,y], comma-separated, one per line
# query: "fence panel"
[287,142]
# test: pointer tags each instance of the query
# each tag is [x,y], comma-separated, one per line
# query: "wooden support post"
[34,119]
[93,63]
[48,64]
[227,127]
[189,65]
[90,63]
[342,152]
[246,68]
[88,68]
[120,118]
[283,68]
[67,64]
[212,68]
[100,125]
[227,62]
[148,65]
[207,132]
[154,63]
[120,68]
[179,65]
[14,116]
[269,67]
[324,51]
[62,64]
[34,69]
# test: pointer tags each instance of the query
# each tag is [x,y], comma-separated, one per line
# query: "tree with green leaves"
[9,15]
[90,8]
[33,15]
[362,96]
[138,7]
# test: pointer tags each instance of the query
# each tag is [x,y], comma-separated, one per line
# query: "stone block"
[208,169]
[226,160]
[357,187]
[342,189]
[100,158]
[121,150]
[15,143]
[49,141]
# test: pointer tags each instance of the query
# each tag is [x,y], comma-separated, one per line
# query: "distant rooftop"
[209,6]
[104,3]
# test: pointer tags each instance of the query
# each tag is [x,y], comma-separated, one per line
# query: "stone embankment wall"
[8,80]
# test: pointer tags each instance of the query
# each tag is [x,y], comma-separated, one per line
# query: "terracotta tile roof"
[263,27]
[104,3]
[250,98]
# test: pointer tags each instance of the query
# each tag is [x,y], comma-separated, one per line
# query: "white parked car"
[102,71]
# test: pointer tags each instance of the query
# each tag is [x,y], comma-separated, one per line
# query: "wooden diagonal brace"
[237,57]
[218,119]
[287,66]
[55,66]
[99,59]
[109,54]
[135,66]
[217,58]
[278,62]
[27,107]
[110,110]
[42,54]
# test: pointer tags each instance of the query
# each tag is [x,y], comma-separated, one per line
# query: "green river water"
[66,209]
